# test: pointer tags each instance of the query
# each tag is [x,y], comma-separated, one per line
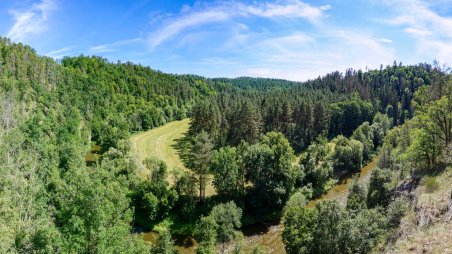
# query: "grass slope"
[160,143]
[433,207]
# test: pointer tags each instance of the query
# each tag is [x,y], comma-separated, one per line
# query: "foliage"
[299,225]
[380,186]
[229,176]
[348,115]
[152,196]
[200,156]
[50,112]
[206,234]
[431,184]
[329,228]
[270,170]
[348,154]
[365,134]
[317,165]
[334,104]
[220,226]
[396,210]
[164,245]
[357,197]
[185,186]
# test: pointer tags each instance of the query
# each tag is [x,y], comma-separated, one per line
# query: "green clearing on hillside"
[160,143]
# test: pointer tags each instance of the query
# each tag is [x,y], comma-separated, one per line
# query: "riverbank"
[269,235]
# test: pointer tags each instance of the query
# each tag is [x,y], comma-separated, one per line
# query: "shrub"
[396,210]
[431,184]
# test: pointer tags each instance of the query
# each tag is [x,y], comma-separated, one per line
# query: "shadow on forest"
[182,146]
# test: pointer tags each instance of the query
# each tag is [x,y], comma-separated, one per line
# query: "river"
[269,235]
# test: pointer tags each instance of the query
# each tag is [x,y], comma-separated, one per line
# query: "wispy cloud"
[293,9]
[60,53]
[111,47]
[301,56]
[216,61]
[385,40]
[417,32]
[184,22]
[31,20]
[191,17]
[304,45]
[431,31]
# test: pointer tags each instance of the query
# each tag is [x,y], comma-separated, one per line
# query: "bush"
[396,210]
[431,184]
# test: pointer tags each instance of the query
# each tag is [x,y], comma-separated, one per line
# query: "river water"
[270,235]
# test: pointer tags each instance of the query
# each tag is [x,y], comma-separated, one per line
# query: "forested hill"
[51,112]
[334,104]
[115,99]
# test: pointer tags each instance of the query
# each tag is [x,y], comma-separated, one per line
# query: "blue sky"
[289,39]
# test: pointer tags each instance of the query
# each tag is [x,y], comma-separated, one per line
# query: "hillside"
[427,226]
[242,139]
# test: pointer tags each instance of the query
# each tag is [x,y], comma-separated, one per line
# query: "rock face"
[448,215]
[427,227]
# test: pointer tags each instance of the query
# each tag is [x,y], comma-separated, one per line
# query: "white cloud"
[305,56]
[415,31]
[111,47]
[208,14]
[431,31]
[293,9]
[216,61]
[31,20]
[325,7]
[386,40]
[178,25]
[263,72]
[60,53]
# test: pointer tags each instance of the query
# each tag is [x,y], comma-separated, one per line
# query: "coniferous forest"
[266,146]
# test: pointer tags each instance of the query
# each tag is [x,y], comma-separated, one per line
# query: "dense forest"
[245,134]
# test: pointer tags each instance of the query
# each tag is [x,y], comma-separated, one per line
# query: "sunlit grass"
[160,143]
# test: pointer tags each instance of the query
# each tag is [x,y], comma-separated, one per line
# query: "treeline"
[260,178]
[332,105]
[116,99]
[371,216]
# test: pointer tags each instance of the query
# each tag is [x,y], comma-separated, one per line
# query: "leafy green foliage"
[229,176]
[219,227]
[185,185]
[348,154]
[396,210]
[357,197]
[164,245]
[317,165]
[200,156]
[270,170]
[380,186]
[431,184]
[299,225]
[206,234]
[51,201]
[329,228]
[348,115]
[365,134]
[152,197]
